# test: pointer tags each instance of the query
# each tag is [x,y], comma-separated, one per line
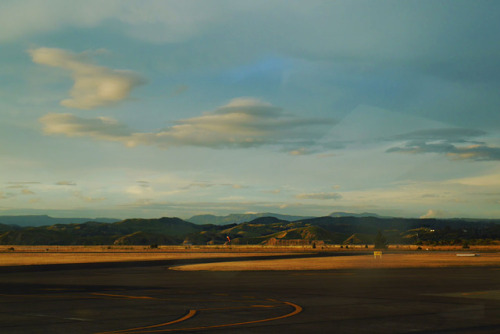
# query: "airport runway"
[154,299]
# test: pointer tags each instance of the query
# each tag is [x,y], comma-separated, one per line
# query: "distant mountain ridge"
[351,214]
[44,220]
[239,218]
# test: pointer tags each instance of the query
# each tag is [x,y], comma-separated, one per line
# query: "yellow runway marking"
[474,293]
[156,328]
[322,274]
[190,314]
[297,310]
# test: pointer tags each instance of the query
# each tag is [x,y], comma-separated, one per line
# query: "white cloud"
[243,122]
[434,214]
[94,86]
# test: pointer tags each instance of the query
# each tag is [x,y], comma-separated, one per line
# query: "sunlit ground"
[401,260]
[394,257]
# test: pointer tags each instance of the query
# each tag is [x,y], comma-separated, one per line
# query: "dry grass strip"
[40,258]
[425,260]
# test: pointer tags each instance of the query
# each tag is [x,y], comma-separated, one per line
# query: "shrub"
[380,241]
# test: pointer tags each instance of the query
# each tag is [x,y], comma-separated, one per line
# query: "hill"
[351,214]
[95,233]
[238,218]
[261,230]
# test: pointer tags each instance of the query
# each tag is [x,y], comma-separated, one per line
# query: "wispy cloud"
[321,196]
[490,180]
[274,191]
[88,199]
[27,192]
[455,143]
[144,184]
[198,185]
[65,183]
[242,123]
[94,86]
[5,195]
[103,128]
[299,151]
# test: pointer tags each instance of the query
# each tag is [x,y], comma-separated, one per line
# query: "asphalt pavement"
[154,299]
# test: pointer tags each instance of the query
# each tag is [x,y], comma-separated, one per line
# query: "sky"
[176,108]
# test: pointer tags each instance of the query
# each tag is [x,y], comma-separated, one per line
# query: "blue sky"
[176,108]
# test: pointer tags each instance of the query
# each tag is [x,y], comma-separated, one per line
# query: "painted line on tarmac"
[297,310]
[189,315]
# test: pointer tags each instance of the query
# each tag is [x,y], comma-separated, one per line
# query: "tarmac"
[135,298]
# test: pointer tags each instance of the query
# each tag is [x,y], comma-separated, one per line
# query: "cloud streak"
[94,86]
[65,183]
[102,128]
[320,196]
[242,123]
[455,143]
[88,199]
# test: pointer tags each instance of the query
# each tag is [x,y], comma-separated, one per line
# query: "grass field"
[398,256]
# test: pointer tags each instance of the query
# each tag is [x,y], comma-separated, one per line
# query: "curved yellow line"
[297,310]
[190,314]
